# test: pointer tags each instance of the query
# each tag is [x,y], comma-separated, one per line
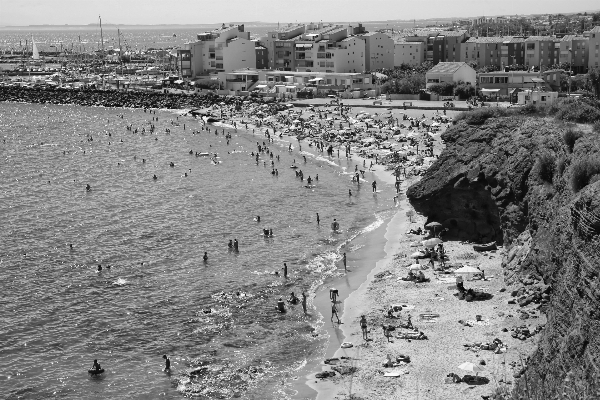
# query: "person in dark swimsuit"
[167,363]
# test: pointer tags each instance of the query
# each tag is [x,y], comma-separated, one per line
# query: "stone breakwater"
[513,179]
[113,98]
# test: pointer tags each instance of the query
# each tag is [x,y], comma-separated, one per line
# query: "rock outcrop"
[511,180]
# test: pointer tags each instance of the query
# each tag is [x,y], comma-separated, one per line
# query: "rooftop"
[539,38]
[285,29]
[568,38]
[488,39]
[447,67]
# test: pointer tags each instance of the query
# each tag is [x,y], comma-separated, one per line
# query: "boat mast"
[102,41]
[120,52]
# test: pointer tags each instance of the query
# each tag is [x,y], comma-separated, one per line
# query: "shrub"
[210,84]
[464,91]
[576,110]
[443,88]
[582,173]
[596,127]
[480,115]
[546,167]
[570,137]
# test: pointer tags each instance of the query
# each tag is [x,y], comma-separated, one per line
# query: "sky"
[151,12]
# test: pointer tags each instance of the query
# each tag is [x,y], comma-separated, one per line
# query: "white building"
[536,97]
[451,72]
[225,49]
[379,51]
[411,53]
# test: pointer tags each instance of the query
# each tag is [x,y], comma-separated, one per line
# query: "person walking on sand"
[363,327]
[334,312]
[304,302]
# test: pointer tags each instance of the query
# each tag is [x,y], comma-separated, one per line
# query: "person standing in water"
[335,313]
[363,327]
[167,363]
[235,244]
[335,225]
[345,269]
[304,302]
[205,257]
[318,219]
[284,270]
[374,184]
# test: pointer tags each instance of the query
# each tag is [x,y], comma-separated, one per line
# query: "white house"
[451,72]
[536,97]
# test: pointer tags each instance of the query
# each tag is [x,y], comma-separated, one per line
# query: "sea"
[155,295]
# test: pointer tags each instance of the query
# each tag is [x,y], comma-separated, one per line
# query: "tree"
[464,91]
[442,89]
[594,75]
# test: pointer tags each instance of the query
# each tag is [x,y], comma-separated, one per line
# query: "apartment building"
[262,56]
[411,53]
[484,50]
[283,53]
[379,51]
[440,46]
[594,48]
[541,51]
[512,52]
[573,50]
[225,49]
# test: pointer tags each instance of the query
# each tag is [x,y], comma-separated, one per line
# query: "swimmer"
[171,164]
[349,192]
[155,177]
[88,187]
[230,244]
[335,225]
[257,219]
[99,268]
[235,244]
[205,257]
[285,271]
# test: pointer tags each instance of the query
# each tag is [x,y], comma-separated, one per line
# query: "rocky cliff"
[526,182]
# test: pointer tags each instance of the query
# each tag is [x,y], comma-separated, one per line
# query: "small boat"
[96,371]
[485,247]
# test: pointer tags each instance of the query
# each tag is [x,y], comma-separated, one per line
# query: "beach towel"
[346,345]
[395,373]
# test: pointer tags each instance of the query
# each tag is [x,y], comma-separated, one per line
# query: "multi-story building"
[594,48]
[379,51]
[225,49]
[574,51]
[411,53]
[512,52]
[541,51]
[280,52]
[262,56]
[440,46]
[484,50]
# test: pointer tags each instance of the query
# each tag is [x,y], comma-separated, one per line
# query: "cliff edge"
[532,184]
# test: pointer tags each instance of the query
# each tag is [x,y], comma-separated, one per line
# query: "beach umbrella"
[433,225]
[432,242]
[469,366]
[415,267]
[467,270]
[416,254]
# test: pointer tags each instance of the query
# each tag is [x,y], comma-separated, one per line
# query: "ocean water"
[159,297]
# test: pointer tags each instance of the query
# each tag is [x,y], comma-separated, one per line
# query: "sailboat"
[35,52]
